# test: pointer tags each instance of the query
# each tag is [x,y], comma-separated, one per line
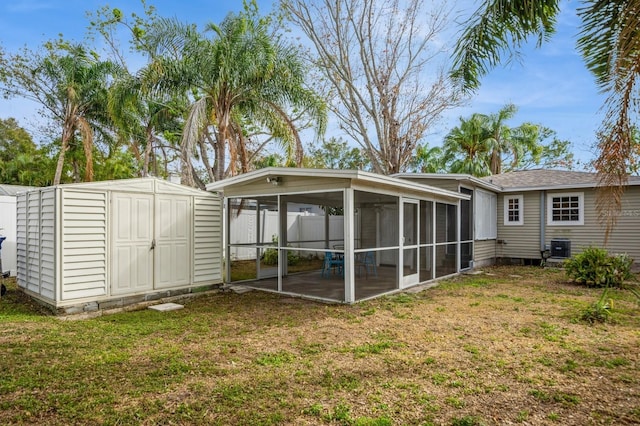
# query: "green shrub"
[270,255]
[594,267]
[598,312]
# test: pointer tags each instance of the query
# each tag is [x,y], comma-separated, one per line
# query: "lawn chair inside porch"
[333,262]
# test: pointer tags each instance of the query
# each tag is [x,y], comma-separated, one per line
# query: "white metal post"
[349,273]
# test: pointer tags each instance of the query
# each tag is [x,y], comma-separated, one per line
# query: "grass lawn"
[499,348]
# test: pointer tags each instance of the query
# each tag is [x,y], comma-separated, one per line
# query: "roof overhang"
[356,178]
[559,187]
[451,176]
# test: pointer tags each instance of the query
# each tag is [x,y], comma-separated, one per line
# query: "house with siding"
[539,213]
[414,228]
[555,210]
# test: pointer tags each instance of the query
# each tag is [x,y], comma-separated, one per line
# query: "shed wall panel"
[47,244]
[84,243]
[207,251]
[21,240]
[33,242]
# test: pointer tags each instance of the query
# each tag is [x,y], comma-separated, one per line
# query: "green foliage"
[335,153]
[428,160]
[483,144]
[21,161]
[594,267]
[270,255]
[598,312]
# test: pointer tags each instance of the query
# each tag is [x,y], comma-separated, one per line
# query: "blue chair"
[368,262]
[332,262]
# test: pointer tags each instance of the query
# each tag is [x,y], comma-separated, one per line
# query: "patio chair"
[368,263]
[332,262]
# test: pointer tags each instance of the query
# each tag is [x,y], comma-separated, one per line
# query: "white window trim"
[551,222]
[520,199]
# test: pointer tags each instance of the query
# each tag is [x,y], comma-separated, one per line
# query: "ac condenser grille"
[561,248]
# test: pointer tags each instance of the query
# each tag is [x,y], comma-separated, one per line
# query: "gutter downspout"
[543,224]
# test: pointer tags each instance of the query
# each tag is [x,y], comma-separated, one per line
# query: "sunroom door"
[409,241]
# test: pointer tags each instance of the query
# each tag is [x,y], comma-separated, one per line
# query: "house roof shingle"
[541,179]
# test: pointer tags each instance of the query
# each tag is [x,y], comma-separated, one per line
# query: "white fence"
[303,230]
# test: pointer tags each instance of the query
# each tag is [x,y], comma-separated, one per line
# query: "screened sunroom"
[337,235]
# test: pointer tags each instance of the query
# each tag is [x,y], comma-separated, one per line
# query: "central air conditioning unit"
[561,247]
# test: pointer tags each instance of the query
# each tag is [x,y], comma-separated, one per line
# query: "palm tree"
[77,97]
[609,42]
[241,77]
[144,119]
[500,136]
[467,146]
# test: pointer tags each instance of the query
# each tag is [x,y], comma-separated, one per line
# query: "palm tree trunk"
[496,163]
[64,145]
[218,164]
[147,152]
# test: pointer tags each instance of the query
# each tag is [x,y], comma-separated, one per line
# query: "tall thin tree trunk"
[64,146]
[147,152]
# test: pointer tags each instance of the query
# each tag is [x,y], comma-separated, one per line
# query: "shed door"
[173,241]
[132,228]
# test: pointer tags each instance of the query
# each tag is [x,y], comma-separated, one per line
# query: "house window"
[514,210]
[565,209]
[485,215]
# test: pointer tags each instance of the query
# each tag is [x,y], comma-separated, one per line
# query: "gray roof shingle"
[540,178]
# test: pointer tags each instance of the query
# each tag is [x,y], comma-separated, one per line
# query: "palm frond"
[498,29]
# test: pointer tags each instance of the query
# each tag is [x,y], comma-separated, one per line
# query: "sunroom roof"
[355,176]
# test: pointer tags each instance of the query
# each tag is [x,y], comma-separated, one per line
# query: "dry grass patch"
[502,347]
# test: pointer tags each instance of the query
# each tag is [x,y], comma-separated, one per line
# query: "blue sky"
[550,85]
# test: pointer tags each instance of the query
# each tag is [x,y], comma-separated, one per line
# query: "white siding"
[33,242]
[84,244]
[65,240]
[21,240]
[36,242]
[47,244]
[207,247]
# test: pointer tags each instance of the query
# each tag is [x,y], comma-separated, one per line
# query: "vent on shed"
[561,248]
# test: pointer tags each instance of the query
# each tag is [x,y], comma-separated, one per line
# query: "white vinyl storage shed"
[100,245]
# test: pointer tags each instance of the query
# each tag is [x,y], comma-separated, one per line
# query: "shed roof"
[12,190]
[540,179]
[356,176]
[144,184]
